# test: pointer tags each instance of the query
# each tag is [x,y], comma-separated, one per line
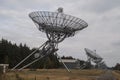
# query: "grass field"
[52,74]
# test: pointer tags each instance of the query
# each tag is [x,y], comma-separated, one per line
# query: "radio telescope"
[93,57]
[57,27]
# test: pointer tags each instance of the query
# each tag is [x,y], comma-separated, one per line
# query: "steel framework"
[57,27]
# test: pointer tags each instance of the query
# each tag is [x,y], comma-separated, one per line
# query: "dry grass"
[54,74]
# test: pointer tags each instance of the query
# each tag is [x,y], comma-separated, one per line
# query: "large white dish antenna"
[92,54]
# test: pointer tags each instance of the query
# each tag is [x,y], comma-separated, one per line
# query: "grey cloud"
[101,6]
[117,43]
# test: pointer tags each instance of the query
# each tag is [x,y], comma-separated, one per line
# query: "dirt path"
[107,76]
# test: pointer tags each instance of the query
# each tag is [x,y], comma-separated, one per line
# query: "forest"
[12,54]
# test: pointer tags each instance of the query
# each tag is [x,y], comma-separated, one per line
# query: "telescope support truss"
[45,50]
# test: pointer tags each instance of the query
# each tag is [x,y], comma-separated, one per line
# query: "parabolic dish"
[57,22]
[92,54]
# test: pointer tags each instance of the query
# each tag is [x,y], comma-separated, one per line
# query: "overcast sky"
[102,33]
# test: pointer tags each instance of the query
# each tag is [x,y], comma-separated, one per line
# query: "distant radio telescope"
[95,58]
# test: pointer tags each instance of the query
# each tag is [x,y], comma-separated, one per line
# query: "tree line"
[12,54]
